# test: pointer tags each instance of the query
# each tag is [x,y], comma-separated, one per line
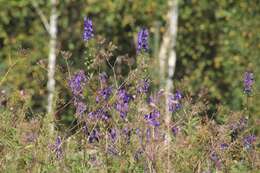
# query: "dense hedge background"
[217,42]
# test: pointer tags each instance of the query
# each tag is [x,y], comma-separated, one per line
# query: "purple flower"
[175,130]
[123,99]
[99,114]
[113,135]
[122,108]
[152,118]
[178,95]
[238,127]
[80,108]
[77,82]
[142,43]
[248,82]
[94,136]
[174,101]
[123,96]
[155,123]
[223,146]
[104,93]
[143,86]
[249,140]
[88,29]
[57,147]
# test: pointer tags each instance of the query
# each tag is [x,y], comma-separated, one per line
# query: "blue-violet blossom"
[142,42]
[88,29]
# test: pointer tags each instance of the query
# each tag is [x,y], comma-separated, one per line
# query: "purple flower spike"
[178,95]
[123,99]
[94,136]
[88,29]
[123,96]
[143,86]
[175,130]
[174,101]
[152,118]
[248,82]
[249,140]
[77,82]
[80,108]
[113,135]
[223,146]
[104,93]
[155,123]
[142,43]
[99,114]
[57,147]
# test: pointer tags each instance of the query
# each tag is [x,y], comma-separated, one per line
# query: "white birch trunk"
[173,26]
[167,59]
[52,61]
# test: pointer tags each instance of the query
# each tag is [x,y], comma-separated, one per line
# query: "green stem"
[67,64]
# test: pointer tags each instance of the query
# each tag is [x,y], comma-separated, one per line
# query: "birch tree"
[52,56]
[51,28]
[167,62]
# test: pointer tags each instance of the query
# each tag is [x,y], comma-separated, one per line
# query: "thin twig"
[42,16]
[114,73]
[9,69]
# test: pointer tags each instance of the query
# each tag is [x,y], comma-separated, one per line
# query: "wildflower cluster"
[175,130]
[249,140]
[248,82]
[140,123]
[105,91]
[122,104]
[142,43]
[152,118]
[99,114]
[76,84]
[57,148]
[143,86]
[174,101]
[94,136]
[238,127]
[88,29]
[113,134]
